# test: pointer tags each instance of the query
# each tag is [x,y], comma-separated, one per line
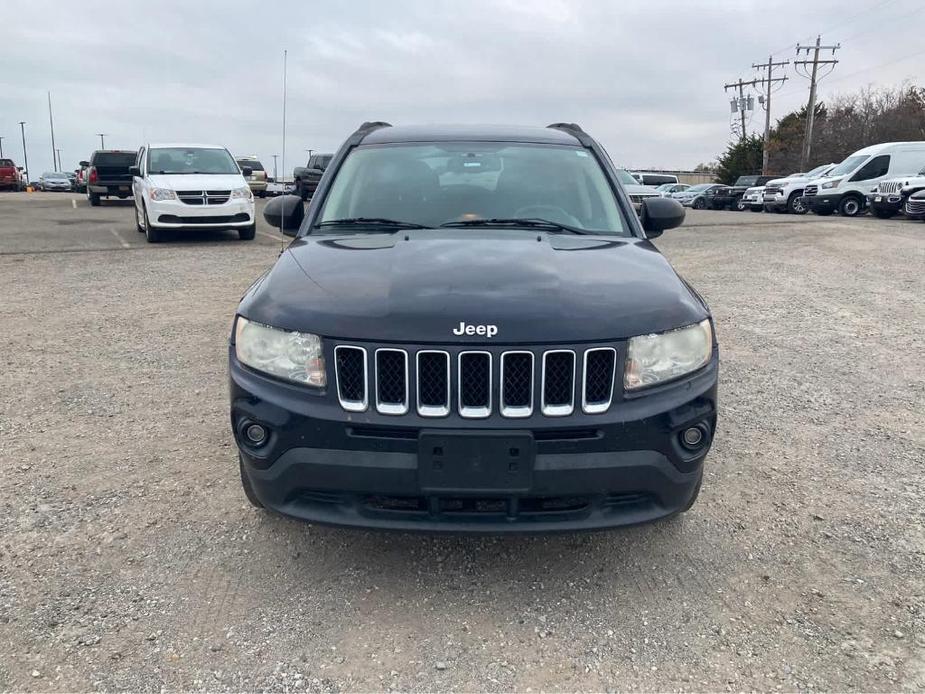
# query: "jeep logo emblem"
[466,329]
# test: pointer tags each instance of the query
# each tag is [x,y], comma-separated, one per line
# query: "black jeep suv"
[472,332]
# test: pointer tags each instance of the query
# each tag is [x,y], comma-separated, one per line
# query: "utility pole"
[51,124]
[102,143]
[742,103]
[60,166]
[768,80]
[811,106]
[274,167]
[22,128]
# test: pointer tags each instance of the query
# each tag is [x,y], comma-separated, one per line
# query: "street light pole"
[102,143]
[51,125]
[274,168]
[22,128]
[60,165]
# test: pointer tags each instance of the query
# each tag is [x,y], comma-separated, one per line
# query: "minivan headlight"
[653,359]
[831,184]
[163,194]
[285,354]
[244,192]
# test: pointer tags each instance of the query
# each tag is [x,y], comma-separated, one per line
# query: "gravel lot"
[129,558]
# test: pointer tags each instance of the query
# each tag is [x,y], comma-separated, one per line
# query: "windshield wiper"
[370,221]
[530,223]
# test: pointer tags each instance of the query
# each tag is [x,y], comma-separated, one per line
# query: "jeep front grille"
[475,384]
[889,187]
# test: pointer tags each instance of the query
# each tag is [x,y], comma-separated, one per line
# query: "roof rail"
[364,130]
[573,129]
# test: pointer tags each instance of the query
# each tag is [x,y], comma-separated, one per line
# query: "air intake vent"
[517,384]
[350,371]
[391,381]
[433,383]
[474,384]
[558,383]
[598,379]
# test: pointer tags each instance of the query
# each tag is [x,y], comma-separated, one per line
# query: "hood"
[784,181]
[535,287]
[198,181]
[824,179]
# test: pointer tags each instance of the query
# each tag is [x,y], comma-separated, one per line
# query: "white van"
[845,188]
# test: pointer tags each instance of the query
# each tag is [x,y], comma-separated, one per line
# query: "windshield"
[847,166]
[817,171]
[191,160]
[53,174]
[439,183]
[747,181]
[698,188]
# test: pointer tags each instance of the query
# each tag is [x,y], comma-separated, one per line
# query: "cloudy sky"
[646,78]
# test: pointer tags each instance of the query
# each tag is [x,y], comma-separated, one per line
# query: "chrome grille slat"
[433,396]
[597,376]
[516,377]
[351,377]
[474,384]
[558,380]
[391,370]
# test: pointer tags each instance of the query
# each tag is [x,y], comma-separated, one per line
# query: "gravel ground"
[129,558]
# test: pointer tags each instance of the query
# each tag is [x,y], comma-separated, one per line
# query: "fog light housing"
[255,434]
[695,437]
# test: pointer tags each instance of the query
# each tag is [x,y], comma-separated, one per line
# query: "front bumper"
[173,214]
[325,465]
[821,202]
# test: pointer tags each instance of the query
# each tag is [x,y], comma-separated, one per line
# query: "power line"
[811,105]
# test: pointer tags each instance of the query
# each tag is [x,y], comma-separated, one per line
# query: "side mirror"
[134,170]
[84,163]
[285,213]
[659,214]
[246,171]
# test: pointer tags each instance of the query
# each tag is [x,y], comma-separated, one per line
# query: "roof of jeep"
[469,133]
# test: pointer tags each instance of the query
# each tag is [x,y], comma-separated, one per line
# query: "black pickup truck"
[108,174]
[306,177]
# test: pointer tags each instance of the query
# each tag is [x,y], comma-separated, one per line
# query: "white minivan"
[845,188]
[180,186]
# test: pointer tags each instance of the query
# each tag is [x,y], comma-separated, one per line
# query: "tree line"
[843,125]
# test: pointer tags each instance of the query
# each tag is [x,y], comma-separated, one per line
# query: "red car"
[9,175]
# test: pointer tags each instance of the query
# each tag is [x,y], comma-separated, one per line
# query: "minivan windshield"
[847,166]
[190,160]
[434,184]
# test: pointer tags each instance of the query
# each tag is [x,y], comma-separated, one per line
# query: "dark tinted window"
[113,159]
[252,163]
[878,166]
[6,162]
[747,180]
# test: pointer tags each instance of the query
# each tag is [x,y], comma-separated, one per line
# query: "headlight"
[282,353]
[244,192]
[653,359]
[831,184]
[163,194]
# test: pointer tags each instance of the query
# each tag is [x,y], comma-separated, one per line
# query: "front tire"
[248,233]
[796,204]
[850,206]
[152,234]
[139,220]
[739,205]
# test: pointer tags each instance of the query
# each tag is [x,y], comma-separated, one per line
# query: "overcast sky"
[646,78]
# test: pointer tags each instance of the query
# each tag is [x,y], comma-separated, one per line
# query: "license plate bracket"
[482,462]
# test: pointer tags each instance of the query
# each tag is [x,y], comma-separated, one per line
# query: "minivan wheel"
[850,206]
[139,221]
[248,233]
[246,485]
[152,234]
[796,204]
